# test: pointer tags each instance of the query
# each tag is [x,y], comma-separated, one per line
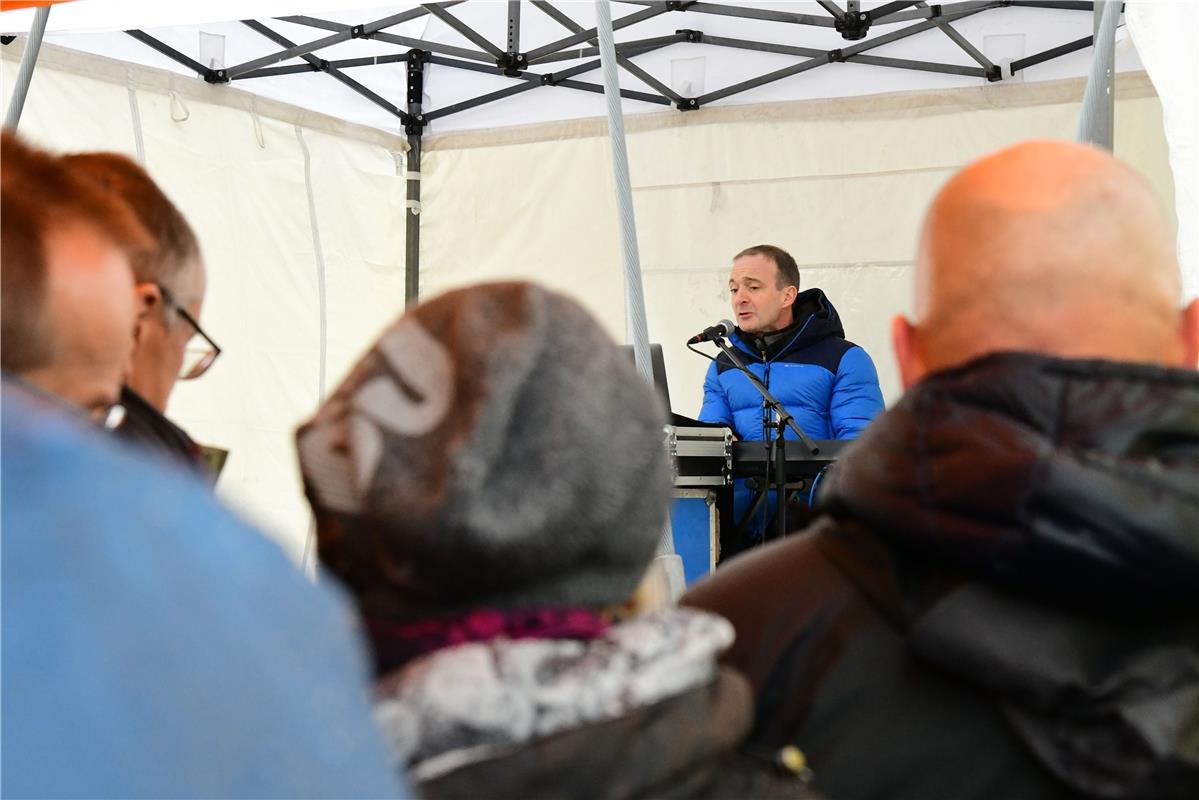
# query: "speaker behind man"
[795,343]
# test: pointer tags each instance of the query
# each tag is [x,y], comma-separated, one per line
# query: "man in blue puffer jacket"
[794,342]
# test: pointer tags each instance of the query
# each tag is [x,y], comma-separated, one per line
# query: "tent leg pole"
[415,129]
[666,562]
[412,167]
[25,74]
[1096,123]
[634,291]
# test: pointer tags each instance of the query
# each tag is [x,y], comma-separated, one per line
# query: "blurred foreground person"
[1002,600]
[154,646]
[68,308]
[170,279]
[490,481]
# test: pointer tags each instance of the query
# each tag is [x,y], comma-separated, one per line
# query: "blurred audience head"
[68,308]
[493,449]
[170,277]
[1049,247]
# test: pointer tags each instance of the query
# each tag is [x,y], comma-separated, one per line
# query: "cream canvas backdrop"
[841,184]
[289,317]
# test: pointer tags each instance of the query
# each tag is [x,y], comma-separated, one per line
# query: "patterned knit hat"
[494,448]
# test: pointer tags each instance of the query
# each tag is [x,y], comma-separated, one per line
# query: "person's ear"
[905,339]
[789,295]
[148,298]
[1189,331]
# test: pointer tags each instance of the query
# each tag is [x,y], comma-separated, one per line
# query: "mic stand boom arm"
[783,420]
[784,416]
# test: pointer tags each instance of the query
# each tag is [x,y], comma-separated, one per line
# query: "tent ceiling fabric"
[959,48]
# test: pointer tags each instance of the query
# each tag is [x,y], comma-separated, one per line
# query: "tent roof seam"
[908,104]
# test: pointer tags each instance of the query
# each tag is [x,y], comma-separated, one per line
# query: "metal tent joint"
[853,27]
[691,36]
[512,64]
[416,121]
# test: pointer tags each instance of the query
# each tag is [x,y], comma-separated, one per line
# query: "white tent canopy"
[204,33]
[296,183]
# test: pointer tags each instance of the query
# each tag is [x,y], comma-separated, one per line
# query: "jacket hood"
[1073,480]
[815,319]
[1062,500]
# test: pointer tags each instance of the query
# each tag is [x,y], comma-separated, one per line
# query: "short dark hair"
[788,270]
[175,243]
[39,196]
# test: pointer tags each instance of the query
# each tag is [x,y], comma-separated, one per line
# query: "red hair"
[175,244]
[39,195]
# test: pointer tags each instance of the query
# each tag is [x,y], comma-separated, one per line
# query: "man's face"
[163,334]
[91,315]
[759,306]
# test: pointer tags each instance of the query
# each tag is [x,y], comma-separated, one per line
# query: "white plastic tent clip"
[179,111]
[258,136]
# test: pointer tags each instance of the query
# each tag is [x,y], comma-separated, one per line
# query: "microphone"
[718,330]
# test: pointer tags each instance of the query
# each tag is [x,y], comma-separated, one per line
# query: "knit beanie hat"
[494,448]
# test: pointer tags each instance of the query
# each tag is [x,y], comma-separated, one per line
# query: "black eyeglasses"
[198,356]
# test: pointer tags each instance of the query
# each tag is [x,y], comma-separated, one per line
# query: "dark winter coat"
[1003,599]
[149,430]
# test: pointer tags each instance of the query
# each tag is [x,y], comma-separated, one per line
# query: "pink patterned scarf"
[396,643]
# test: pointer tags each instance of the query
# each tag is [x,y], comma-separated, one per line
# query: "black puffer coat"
[1002,599]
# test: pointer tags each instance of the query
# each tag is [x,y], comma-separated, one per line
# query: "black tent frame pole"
[412,174]
[624,61]
[509,61]
[390,38]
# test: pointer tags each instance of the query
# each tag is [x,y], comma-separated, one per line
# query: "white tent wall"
[1167,33]
[289,317]
[842,184]
[301,219]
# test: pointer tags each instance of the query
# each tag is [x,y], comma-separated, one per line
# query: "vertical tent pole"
[670,564]
[634,295]
[1096,123]
[412,175]
[412,221]
[25,73]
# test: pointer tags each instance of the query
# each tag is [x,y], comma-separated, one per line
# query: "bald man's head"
[1048,247]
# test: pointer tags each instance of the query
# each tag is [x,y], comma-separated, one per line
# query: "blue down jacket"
[827,383]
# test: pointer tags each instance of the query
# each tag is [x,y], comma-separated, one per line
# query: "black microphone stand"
[776,443]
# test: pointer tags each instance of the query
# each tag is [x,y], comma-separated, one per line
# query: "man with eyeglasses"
[68,310]
[169,343]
